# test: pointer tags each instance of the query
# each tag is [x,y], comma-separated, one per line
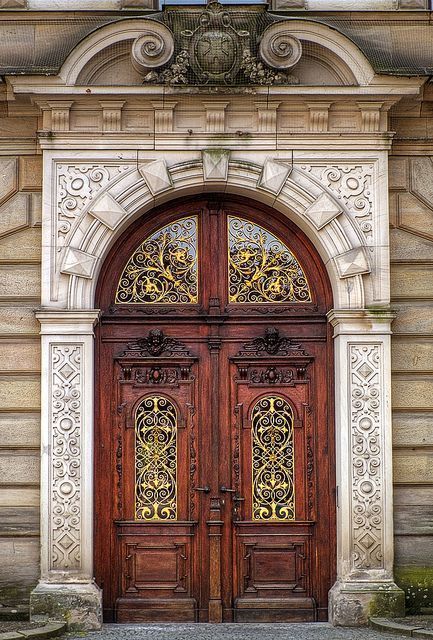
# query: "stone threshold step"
[410,629]
[40,633]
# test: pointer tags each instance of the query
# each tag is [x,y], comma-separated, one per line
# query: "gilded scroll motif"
[164,268]
[273,460]
[262,269]
[155,459]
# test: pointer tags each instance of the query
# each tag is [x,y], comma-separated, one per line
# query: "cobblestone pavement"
[316,631]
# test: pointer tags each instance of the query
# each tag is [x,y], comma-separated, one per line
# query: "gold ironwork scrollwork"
[156,459]
[273,460]
[164,268]
[262,269]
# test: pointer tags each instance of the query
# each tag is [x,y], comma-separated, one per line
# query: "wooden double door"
[214,487]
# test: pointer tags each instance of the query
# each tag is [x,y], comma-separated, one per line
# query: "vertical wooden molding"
[215,525]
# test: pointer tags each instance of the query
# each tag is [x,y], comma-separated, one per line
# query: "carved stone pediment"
[216,44]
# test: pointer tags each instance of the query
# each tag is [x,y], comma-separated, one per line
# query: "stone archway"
[356,258]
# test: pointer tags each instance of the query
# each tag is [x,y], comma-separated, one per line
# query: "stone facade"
[107,142]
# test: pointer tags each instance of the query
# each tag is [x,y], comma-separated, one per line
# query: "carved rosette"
[66,417]
[366,452]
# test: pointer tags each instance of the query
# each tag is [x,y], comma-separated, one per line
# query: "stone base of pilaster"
[79,605]
[351,604]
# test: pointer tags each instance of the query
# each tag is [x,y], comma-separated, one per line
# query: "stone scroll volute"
[153,48]
[278,48]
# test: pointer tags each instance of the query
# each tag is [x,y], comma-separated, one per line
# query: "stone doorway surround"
[362,363]
[330,180]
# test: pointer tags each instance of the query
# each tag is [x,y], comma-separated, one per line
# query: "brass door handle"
[236,497]
[204,489]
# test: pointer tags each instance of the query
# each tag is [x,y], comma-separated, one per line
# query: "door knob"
[204,489]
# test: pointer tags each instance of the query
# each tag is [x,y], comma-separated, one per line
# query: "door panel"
[213,430]
[156,530]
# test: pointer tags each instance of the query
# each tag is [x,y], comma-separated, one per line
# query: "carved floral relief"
[366,453]
[66,363]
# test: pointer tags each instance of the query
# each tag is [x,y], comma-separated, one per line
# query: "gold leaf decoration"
[164,268]
[273,460]
[156,459]
[262,269]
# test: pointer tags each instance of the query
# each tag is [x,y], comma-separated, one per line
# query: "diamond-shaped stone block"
[156,175]
[352,263]
[322,211]
[273,176]
[14,213]
[365,370]
[8,178]
[215,164]
[108,211]
[78,263]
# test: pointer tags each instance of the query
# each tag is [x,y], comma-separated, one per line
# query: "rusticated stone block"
[412,356]
[407,246]
[18,321]
[20,282]
[20,430]
[24,496]
[411,282]
[288,4]
[23,245]
[412,431]
[139,4]
[30,173]
[19,356]
[19,561]
[20,392]
[413,4]
[19,468]
[398,173]
[412,467]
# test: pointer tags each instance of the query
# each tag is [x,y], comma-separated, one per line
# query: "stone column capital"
[361,321]
[67,322]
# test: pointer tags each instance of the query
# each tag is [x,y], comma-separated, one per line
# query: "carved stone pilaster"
[66,587]
[364,468]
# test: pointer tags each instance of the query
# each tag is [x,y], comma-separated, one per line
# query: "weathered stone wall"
[20,250]
[411,199]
